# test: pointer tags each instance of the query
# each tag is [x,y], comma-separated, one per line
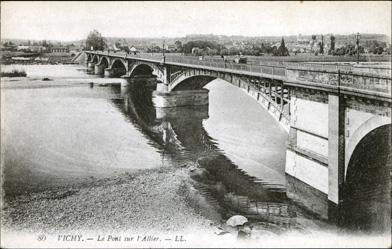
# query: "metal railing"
[229,66]
[326,74]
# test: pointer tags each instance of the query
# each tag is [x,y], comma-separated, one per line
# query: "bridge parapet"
[369,82]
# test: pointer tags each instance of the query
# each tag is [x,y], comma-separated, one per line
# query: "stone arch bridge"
[337,117]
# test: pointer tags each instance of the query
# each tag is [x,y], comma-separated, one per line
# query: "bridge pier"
[108,73]
[98,70]
[336,153]
[165,97]
[307,151]
[90,66]
[180,98]
[145,81]
[162,88]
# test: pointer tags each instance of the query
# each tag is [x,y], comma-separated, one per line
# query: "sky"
[69,21]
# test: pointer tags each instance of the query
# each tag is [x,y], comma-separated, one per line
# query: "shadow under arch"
[89,57]
[196,82]
[142,70]
[366,193]
[95,59]
[118,68]
[104,62]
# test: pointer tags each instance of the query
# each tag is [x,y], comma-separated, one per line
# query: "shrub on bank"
[14,73]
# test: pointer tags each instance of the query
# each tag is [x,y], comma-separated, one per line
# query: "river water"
[62,131]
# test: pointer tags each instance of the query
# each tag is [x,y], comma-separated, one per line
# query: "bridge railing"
[366,82]
[384,70]
[361,81]
[254,68]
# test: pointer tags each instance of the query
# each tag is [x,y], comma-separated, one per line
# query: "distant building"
[133,50]
[171,48]
[37,48]
[22,58]
[39,59]
[22,47]
[59,50]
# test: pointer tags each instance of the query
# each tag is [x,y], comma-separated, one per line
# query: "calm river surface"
[73,130]
[62,131]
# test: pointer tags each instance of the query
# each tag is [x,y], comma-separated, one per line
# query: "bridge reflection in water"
[178,133]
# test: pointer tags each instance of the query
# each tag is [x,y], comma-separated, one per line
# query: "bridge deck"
[376,84]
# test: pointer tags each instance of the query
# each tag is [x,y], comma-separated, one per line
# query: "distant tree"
[282,50]
[154,49]
[321,45]
[339,51]
[313,42]
[95,41]
[203,45]
[348,49]
[224,51]
[274,51]
[234,51]
[332,47]
[377,47]
[125,49]
[266,49]
[178,45]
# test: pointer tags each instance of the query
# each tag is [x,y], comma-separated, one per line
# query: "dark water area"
[56,136]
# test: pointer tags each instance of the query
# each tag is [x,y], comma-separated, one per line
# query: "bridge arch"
[366,191]
[192,82]
[119,67]
[104,61]
[95,59]
[141,69]
[117,62]
[197,79]
[146,69]
[89,57]
[365,129]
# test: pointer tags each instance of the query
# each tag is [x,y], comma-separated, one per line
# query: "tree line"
[201,47]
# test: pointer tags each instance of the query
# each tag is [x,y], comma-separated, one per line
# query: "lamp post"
[163,48]
[357,37]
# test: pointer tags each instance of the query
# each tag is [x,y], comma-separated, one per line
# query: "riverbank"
[16,57]
[156,200]
[156,207]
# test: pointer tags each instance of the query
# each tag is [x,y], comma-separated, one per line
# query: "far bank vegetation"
[14,73]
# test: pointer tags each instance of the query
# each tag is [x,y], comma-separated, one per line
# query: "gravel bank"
[159,200]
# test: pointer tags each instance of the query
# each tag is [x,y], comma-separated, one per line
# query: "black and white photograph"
[196,124]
